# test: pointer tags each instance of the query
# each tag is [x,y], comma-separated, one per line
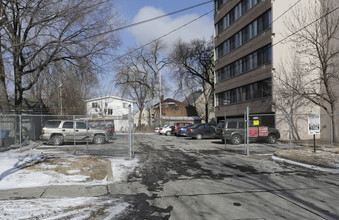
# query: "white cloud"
[147,32]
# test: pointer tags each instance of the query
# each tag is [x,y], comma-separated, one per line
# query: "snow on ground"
[71,208]
[11,176]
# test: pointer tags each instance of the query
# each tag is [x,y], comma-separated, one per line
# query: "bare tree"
[37,33]
[133,85]
[316,31]
[195,66]
[140,72]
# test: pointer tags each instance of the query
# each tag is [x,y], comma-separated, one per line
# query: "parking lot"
[200,179]
[211,143]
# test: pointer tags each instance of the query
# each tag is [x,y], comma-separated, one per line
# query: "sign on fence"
[313,124]
[263,131]
[253,132]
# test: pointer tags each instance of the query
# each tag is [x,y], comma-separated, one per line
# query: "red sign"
[253,132]
[263,131]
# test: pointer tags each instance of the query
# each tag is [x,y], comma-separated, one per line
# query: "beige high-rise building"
[256,50]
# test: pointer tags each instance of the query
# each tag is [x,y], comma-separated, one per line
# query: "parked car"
[60,131]
[182,130]
[178,125]
[156,129]
[106,124]
[234,131]
[200,131]
[167,130]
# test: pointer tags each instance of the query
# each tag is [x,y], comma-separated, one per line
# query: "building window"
[258,26]
[219,4]
[256,59]
[125,105]
[110,111]
[253,91]
[94,105]
[234,14]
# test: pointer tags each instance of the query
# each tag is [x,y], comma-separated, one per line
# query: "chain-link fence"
[105,136]
[267,133]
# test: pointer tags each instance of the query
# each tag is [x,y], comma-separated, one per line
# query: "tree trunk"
[18,97]
[140,116]
[4,103]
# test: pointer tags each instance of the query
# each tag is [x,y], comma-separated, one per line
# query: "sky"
[132,11]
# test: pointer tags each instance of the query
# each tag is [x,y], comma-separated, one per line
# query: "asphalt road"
[199,179]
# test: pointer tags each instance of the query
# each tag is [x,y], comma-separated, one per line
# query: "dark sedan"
[183,130]
[200,131]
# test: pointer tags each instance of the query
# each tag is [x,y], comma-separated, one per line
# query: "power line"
[141,22]
[184,25]
[285,11]
[152,19]
[305,26]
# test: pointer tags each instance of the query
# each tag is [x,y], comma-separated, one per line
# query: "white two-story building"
[112,107]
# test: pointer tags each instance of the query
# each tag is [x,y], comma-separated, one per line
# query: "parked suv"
[234,130]
[60,131]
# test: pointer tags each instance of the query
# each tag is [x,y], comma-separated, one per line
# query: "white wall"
[283,52]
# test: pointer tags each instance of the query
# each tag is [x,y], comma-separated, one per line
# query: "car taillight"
[190,130]
[160,128]
[43,131]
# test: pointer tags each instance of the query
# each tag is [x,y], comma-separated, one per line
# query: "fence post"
[225,130]
[0,130]
[130,132]
[75,151]
[87,133]
[290,130]
[245,132]
[248,131]
[20,130]
[331,119]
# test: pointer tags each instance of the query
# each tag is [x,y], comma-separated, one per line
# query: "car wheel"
[99,139]
[57,139]
[199,136]
[168,133]
[223,141]
[236,139]
[272,139]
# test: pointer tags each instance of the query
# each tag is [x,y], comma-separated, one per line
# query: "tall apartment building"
[243,49]
[252,47]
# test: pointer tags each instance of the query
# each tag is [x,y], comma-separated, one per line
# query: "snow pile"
[12,174]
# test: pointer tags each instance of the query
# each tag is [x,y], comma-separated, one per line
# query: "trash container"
[4,137]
